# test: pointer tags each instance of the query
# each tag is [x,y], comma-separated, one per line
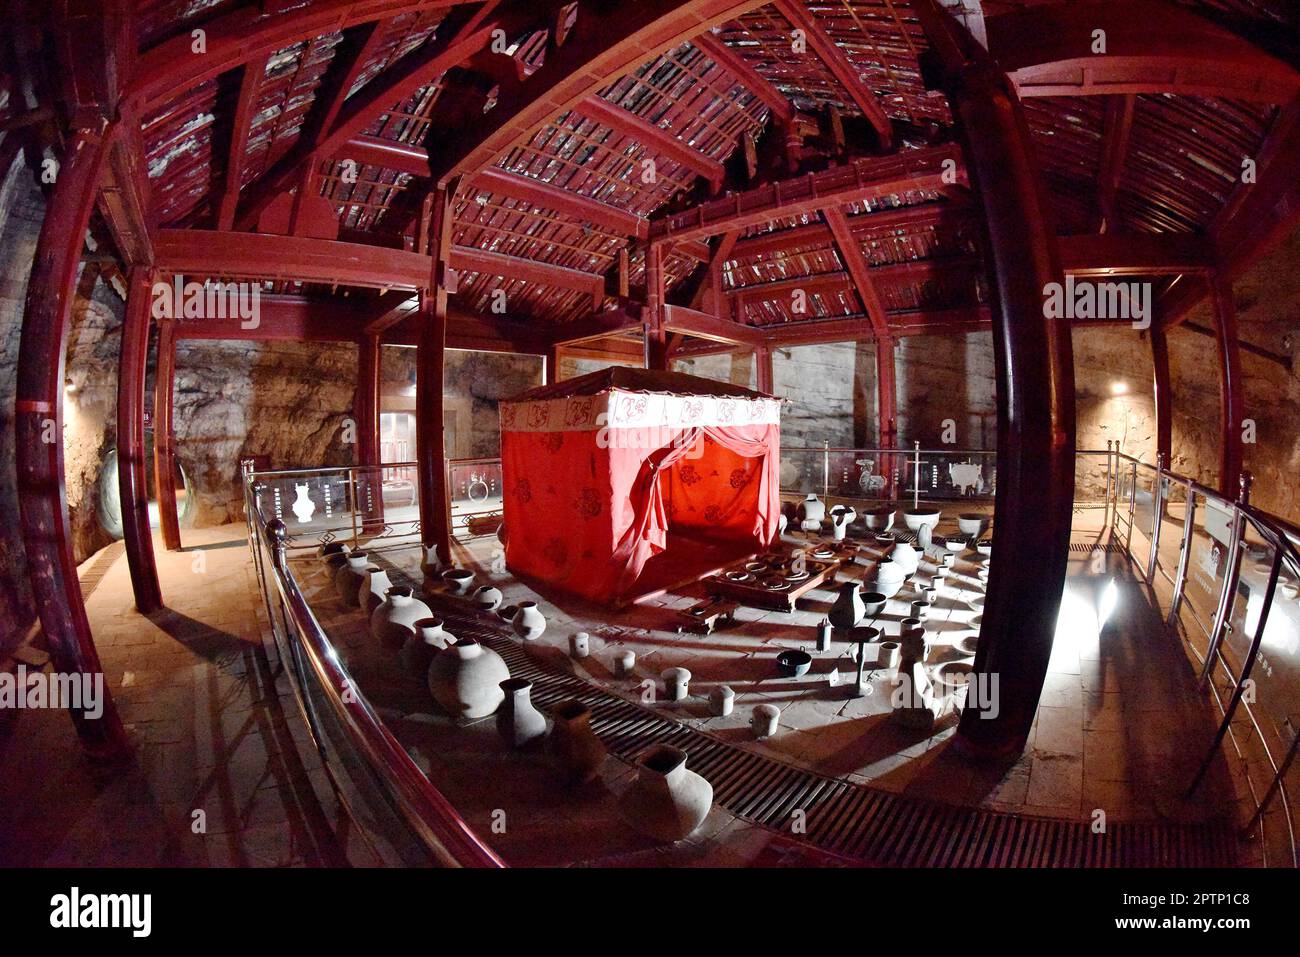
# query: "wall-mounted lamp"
[1118,388]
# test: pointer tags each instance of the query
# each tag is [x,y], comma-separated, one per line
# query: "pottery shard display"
[529,623]
[393,622]
[577,752]
[373,589]
[518,722]
[347,580]
[848,609]
[667,801]
[426,641]
[465,679]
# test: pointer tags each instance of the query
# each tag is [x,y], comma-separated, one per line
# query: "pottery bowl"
[878,519]
[952,676]
[887,588]
[916,517]
[984,547]
[458,579]
[874,602]
[792,664]
[971,524]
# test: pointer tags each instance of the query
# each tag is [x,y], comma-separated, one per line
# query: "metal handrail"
[432,819]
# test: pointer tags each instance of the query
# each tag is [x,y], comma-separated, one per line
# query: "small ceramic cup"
[764,720]
[579,645]
[624,662]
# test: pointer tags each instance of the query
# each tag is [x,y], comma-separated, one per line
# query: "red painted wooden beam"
[124,199]
[763,368]
[435,518]
[802,18]
[365,410]
[855,264]
[467,259]
[250,85]
[887,392]
[655,139]
[164,435]
[390,309]
[567,202]
[923,170]
[921,216]
[1163,393]
[1151,47]
[858,328]
[1117,130]
[733,62]
[131,476]
[1136,254]
[1035,394]
[705,326]
[238,36]
[606,42]
[38,432]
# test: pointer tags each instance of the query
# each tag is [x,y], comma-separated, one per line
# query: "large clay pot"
[334,554]
[487,597]
[813,509]
[347,580]
[427,640]
[465,679]
[518,722]
[373,589]
[574,746]
[905,557]
[848,609]
[528,622]
[394,620]
[667,801]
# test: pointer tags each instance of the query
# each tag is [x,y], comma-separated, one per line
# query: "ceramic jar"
[347,580]
[722,700]
[373,589]
[906,558]
[579,645]
[848,609]
[667,801]
[528,622]
[465,679]
[889,657]
[676,683]
[487,598]
[764,720]
[577,752]
[842,516]
[812,511]
[334,554]
[624,663]
[393,621]
[458,580]
[427,639]
[920,610]
[430,563]
[782,520]
[824,633]
[518,722]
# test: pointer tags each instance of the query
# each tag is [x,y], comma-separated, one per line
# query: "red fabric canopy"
[598,470]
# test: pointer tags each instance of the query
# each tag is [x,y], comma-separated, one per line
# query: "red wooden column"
[366,412]
[656,338]
[164,435]
[551,369]
[431,351]
[132,483]
[763,368]
[1231,386]
[1162,390]
[38,428]
[1035,396]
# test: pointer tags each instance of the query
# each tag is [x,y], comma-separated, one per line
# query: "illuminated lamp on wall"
[1119,388]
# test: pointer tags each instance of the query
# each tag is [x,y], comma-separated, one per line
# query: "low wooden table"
[752,591]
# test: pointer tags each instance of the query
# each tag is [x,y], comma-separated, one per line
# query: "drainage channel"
[848,819]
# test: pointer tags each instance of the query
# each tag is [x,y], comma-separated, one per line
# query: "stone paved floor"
[214,733]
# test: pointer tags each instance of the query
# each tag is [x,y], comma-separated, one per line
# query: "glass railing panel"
[803,471]
[474,488]
[1206,570]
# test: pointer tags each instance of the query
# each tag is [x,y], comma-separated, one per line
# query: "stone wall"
[1114,401]
[947,377]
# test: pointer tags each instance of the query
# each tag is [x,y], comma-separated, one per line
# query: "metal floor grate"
[1087,548]
[852,820]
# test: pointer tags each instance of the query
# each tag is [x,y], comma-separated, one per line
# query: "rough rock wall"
[1268,315]
[947,377]
[1114,401]
[89,401]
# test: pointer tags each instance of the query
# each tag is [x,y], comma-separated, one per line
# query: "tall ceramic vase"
[373,589]
[518,722]
[577,751]
[465,679]
[347,580]
[667,801]
[848,609]
[393,621]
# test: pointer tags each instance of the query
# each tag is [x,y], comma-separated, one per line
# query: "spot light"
[1118,388]
[1106,603]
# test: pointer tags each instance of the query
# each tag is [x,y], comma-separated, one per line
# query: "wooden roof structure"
[295,148]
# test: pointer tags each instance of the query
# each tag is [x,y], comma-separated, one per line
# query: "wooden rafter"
[250,83]
[1117,130]
[735,64]
[845,72]
[654,138]
[856,265]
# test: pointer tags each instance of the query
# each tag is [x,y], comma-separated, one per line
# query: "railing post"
[1105,515]
[1184,555]
[277,536]
[1232,574]
[916,475]
[1158,513]
[826,469]
[1132,503]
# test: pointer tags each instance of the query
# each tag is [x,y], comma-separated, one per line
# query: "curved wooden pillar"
[1162,389]
[1231,386]
[164,435]
[38,428]
[366,412]
[1035,399]
[430,357]
[132,483]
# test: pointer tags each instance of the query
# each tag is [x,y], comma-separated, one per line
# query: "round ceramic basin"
[879,519]
[792,664]
[915,518]
[952,676]
[887,588]
[875,602]
[971,524]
